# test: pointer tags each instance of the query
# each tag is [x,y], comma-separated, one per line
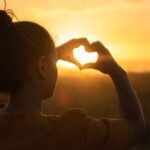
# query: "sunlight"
[85,57]
[65,64]
[122,33]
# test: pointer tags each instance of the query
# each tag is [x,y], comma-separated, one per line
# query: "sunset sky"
[122,25]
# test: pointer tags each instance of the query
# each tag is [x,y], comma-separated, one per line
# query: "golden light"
[83,56]
[65,64]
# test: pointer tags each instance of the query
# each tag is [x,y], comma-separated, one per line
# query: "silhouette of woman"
[28,72]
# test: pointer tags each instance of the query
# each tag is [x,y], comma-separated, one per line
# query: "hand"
[65,51]
[105,63]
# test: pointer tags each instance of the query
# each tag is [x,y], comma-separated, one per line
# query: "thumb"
[88,66]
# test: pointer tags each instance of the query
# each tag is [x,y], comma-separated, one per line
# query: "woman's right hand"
[105,63]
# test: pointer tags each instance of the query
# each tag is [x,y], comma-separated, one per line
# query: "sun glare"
[83,56]
[65,64]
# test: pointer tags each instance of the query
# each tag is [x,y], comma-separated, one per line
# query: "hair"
[21,43]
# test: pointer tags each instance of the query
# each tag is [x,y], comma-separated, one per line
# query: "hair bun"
[5,20]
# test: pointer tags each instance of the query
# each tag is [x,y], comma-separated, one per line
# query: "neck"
[23,107]
[26,99]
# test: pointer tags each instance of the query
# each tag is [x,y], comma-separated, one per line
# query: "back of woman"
[28,73]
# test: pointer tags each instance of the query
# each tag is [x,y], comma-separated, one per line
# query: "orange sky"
[122,25]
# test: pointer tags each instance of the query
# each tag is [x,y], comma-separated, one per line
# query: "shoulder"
[73,112]
[76,113]
[71,126]
[73,117]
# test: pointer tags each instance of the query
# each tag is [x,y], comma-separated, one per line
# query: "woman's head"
[27,52]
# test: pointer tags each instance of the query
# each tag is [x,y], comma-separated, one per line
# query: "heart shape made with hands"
[84,57]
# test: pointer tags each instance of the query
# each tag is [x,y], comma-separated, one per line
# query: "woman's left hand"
[65,51]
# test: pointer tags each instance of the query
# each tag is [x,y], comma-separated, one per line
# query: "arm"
[129,103]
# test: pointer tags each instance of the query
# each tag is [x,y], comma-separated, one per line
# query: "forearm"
[129,103]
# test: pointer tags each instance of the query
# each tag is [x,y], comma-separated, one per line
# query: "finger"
[84,42]
[88,66]
[73,60]
[81,41]
[99,47]
[89,48]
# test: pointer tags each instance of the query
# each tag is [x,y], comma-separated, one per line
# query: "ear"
[42,66]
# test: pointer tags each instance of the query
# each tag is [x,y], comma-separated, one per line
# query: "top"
[73,130]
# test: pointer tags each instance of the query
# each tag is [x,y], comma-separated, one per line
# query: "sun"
[83,56]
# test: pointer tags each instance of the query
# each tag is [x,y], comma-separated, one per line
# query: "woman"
[28,72]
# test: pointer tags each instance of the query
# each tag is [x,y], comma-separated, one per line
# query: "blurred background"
[124,28]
